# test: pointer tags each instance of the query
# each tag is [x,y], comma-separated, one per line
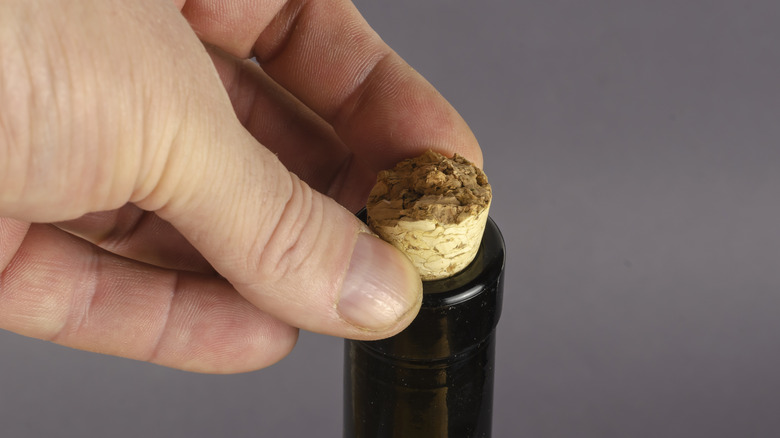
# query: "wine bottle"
[435,378]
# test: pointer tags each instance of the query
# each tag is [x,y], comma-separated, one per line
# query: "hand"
[164,198]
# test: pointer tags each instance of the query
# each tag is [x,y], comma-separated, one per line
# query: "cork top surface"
[429,187]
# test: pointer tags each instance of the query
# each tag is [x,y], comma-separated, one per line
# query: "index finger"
[329,58]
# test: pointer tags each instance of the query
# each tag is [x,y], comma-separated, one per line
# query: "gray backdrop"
[633,147]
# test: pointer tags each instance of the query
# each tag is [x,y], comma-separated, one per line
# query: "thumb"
[288,249]
[133,109]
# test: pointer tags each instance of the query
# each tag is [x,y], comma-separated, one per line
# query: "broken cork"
[434,209]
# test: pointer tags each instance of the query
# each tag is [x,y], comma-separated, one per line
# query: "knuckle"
[294,235]
[15,118]
[38,105]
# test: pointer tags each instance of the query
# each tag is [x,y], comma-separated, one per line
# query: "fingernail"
[381,285]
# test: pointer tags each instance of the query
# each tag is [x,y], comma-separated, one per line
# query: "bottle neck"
[457,313]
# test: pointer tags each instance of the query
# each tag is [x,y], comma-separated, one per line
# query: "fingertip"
[212,329]
[273,341]
[255,351]
[381,292]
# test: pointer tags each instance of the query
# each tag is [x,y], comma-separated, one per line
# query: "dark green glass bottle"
[435,378]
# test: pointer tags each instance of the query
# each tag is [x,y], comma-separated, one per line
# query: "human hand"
[160,194]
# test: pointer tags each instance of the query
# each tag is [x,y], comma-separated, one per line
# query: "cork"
[434,209]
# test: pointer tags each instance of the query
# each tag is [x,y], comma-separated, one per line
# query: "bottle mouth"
[469,282]
[457,313]
[461,287]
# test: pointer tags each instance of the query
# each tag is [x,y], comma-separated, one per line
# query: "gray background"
[634,150]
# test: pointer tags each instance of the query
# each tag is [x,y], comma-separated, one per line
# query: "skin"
[165,198]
